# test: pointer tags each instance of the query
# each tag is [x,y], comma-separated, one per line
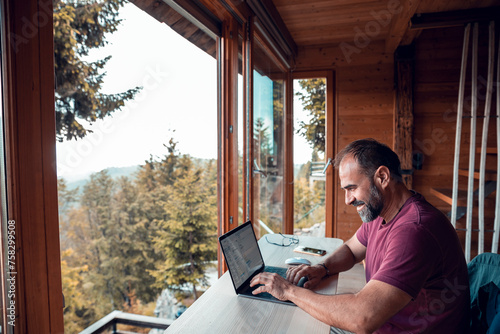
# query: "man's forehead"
[348,165]
[349,171]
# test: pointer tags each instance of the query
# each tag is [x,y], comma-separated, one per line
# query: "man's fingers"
[311,283]
[260,289]
[294,274]
[256,280]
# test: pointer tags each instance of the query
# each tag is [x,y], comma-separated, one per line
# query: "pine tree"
[188,235]
[108,254]
[133,242]
[262,141]
[80,26]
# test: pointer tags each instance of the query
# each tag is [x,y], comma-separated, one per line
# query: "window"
[314,150]
[132,224]
[309,156]
[268,141]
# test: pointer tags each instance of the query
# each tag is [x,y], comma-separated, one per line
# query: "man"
[415,268]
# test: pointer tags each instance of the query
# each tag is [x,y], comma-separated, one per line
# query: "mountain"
[114,172]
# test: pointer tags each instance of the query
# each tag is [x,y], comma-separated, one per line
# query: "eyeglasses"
[285,240]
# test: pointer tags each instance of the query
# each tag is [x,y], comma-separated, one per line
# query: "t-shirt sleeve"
[410,259]
[362,234]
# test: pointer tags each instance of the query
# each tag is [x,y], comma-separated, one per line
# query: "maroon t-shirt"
[418,251]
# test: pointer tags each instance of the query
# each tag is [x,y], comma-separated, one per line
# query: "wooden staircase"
[490,186]
[445,195]
[481,213]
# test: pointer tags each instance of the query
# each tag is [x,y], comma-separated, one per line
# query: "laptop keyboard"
[277,270]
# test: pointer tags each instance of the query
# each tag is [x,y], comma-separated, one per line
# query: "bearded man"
[415,268]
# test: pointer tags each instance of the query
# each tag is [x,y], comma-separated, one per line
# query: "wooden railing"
[119,317]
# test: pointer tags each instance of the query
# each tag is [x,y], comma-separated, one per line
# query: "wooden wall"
[437,73]
[364,104]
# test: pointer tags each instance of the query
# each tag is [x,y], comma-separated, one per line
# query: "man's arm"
[362,312]
[344,258]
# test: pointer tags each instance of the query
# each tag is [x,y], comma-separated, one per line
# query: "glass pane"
[268,108]
[309,156]
[138,196]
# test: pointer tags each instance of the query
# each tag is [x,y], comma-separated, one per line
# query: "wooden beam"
[331,149]
[200,29]
[403,115]
[30,154]
[400,23]
[288,171]
[410,36]
[271,21]
[228,133]
[248,142]
[454,18]
[197,15]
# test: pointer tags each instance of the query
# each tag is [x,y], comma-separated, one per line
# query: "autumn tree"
[79,27]
[71,273]
[106,251]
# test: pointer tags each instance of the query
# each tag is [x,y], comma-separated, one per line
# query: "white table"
[220,310]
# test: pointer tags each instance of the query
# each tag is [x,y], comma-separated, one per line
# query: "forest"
[124,240]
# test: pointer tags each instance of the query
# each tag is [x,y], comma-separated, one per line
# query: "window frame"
[331,188]
[30,137]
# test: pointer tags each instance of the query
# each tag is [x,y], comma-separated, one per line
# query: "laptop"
[244,261]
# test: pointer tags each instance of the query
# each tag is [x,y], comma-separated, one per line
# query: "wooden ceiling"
[327,22]
[315,23]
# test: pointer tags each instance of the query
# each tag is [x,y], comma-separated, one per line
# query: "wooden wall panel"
[346,55]
[437,72]
[364,104]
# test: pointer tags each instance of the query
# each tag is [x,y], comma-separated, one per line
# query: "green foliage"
[262,142]
[116,236]
[313,100]
[188,236]
[80,26]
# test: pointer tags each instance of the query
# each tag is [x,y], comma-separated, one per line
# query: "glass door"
[268,153]
[313,152]
[309,115]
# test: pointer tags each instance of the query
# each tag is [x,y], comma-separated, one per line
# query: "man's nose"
[349,198]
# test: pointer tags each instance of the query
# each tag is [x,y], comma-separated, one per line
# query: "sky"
[178,99]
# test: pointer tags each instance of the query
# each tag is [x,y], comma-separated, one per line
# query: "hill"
[114,172]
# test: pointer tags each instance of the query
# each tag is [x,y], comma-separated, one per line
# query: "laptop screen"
[242,253]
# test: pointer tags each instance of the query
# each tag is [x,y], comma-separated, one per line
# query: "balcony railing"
[118,317]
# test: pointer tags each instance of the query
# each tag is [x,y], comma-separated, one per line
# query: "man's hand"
[272,283]
[314,273]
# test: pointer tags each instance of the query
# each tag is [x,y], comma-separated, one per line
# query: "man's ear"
[382,176]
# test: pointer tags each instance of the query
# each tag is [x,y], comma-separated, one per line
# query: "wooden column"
[30,153]
[228,132]
[403,113]
[288,173]
[248,146]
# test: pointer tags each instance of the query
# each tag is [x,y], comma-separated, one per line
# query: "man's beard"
[374,205]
